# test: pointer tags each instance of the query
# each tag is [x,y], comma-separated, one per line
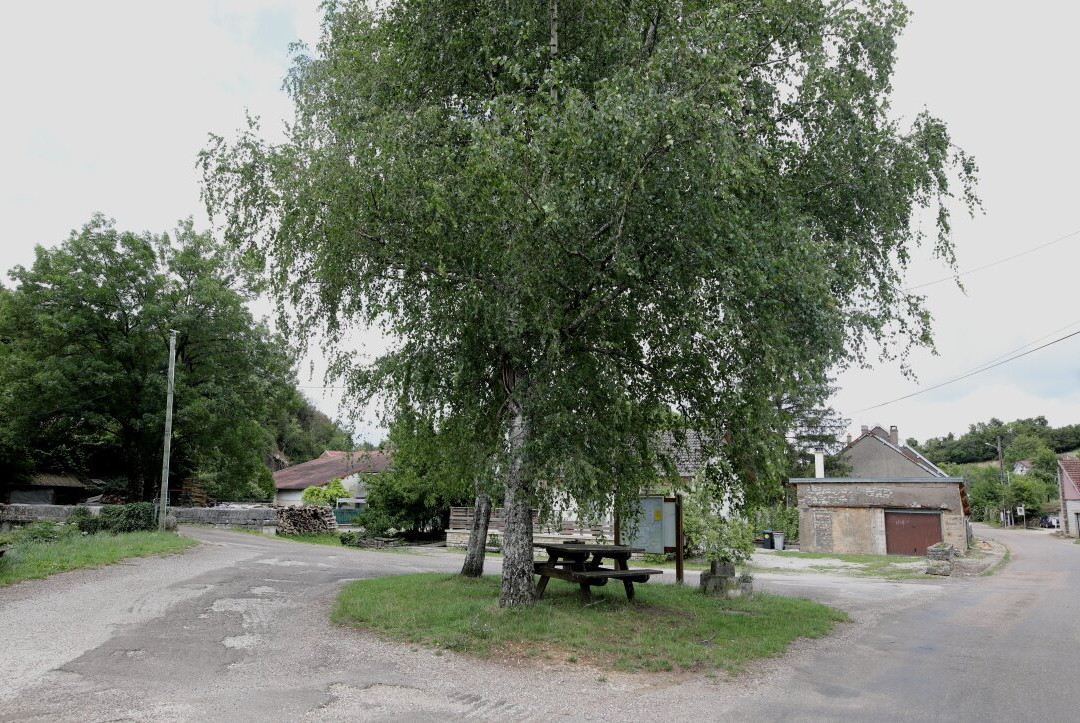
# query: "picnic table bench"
[571,562]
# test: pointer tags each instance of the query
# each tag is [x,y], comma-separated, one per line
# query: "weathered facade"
[879,454]
[1069,489]
[861,515]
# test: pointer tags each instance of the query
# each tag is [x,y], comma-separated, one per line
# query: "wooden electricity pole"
[168,433]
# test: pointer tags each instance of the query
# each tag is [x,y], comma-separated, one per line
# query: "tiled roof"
[1070,482]
[687,457]
[331,465]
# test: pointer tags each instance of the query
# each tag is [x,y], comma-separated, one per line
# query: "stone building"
[1069,487]
[895,501]
[880,516]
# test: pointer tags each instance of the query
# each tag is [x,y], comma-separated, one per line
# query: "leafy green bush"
[375,521]
[352,539]
[327,495]
[127,518]
[85,520]
[780,518]
[729,541]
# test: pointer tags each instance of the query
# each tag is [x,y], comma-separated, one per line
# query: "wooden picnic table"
[583,564]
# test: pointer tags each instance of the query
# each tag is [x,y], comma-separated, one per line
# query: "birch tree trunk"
[518,584]
[474,556]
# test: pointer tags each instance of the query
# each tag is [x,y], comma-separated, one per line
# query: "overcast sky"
[108,103]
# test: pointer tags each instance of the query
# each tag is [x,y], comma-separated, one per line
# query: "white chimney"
[819,464]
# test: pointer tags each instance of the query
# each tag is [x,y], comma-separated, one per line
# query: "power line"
[1025,346]
[993,263]
[978,370]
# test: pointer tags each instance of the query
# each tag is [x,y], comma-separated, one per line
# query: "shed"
[44,488]
[875,515]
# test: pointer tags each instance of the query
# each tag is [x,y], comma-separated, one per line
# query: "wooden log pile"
[308,520]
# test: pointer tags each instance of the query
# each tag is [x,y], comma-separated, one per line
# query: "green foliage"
[711,535]
[779,518]
[328,494]
[728,540]
[433,470]
[85,353]
[979,443]
[42,532]
[704,213]
[86,520]
[132,517]
[988,496]
[353,539]
[302,432]
[376,522]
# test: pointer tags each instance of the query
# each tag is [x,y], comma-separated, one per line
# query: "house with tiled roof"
[1069,491]
[350,467]
[892,501]
[880,453]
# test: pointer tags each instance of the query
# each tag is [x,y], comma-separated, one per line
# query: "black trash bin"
[766,535]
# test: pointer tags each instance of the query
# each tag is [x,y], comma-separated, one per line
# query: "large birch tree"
[585,222]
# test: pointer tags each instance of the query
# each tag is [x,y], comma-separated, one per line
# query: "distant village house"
[352,468]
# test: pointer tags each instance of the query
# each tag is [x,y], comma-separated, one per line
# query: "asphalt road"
[237,629]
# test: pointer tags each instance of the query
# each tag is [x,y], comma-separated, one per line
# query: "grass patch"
[325,538]
[860,559]
[31,560]
[667,627]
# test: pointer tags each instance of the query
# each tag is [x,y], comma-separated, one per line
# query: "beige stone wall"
[1069,511]
[954,530]
[849,517]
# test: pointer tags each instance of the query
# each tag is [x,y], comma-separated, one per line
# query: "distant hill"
[979,443]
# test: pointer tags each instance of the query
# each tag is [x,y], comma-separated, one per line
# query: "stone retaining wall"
[255,518]
[19,515]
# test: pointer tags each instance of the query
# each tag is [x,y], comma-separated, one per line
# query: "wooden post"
[615,528]
[679,543]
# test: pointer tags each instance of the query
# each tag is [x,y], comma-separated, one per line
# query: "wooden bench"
[572,564]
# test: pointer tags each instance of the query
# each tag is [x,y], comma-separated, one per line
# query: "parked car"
[1049,522]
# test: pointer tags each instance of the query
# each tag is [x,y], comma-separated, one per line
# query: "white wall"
[289,498]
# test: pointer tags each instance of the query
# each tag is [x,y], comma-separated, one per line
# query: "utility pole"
[168,433]
[1004,491]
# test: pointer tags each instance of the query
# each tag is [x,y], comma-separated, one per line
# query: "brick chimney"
[894,435]
[865,429]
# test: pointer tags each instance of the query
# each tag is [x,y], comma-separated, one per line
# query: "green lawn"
[29,560]
[667,627]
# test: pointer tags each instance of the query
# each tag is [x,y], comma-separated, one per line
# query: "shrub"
[352,539]
[85,520]
[42,532]
[728,541]
[132,517]
[778,519]
[327,495]
[375,521]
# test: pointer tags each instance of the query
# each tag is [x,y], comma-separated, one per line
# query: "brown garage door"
[910,533]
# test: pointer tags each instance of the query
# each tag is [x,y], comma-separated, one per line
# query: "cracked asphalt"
[238,629]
